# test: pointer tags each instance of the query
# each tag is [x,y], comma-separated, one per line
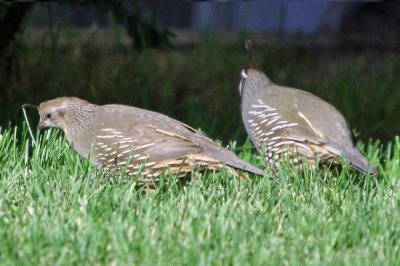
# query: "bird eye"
[48,115]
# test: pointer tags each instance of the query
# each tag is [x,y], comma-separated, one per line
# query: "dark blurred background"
[184,58]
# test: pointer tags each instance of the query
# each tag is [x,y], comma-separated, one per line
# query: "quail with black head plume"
[137,141]
[295,124]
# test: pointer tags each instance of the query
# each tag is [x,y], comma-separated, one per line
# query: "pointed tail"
[225,156]
[359,162]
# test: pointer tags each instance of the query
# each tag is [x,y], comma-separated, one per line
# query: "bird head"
[52,114]
[61,112]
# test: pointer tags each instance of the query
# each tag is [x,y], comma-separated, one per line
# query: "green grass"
[57,209]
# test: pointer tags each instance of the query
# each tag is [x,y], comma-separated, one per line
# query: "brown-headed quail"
[136,141]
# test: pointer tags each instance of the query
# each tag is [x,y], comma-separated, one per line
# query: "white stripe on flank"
[123,142]
[125,146]
[302,146]
[279,127]
[106,137]
[289,142]
[271,114]
[265,106]
[275,138]
[292,124]
[144,146]
[258,106]
[267,133]
[255,112]
[272,121]
[127,151]
[137,166]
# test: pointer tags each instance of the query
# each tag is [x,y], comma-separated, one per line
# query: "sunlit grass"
[56,208]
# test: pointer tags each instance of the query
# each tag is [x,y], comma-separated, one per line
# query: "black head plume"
[248,46]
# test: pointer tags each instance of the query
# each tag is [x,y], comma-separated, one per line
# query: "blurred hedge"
[199,84]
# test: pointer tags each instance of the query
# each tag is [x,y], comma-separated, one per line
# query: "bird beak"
[40,126]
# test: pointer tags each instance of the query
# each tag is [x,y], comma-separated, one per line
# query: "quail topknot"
[136,141]
[289,123]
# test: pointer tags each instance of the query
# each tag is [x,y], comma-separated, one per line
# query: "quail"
[140,142]
[289,123]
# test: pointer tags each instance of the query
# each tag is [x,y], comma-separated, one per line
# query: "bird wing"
[171,145]
[322,115]
[140,143]
[126,134]
[276,114]
[160,137]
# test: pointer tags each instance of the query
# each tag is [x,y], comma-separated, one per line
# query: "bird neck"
[253,87]
[249,94]
[78,119]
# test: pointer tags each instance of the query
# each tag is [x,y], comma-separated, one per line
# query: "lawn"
[57,209]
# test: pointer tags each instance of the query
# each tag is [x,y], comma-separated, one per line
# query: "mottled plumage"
[283,121]
[136,141]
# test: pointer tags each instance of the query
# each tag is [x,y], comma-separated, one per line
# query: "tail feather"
[225,156]
[359,162]
[354,157]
